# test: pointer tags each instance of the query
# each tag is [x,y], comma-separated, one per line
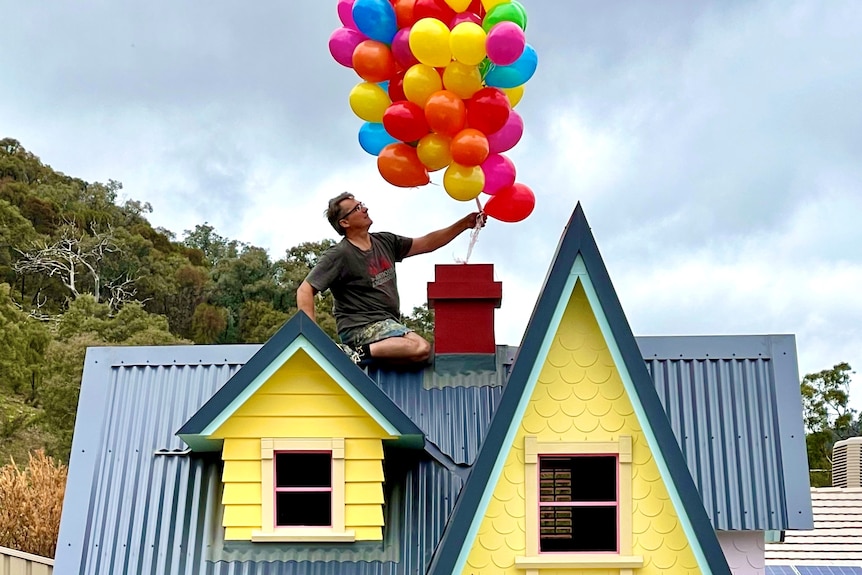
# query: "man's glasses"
[355,208]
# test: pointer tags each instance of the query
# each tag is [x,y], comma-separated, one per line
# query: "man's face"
[354,212]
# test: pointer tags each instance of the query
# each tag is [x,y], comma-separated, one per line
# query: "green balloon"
[509,12]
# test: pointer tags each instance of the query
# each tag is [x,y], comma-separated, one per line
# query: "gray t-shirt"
[363,283]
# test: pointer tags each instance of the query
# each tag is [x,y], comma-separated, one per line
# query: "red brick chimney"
[464,297]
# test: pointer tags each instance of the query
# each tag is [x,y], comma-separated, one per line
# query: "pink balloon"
[505,43]
[345,13]
[499,173]
[511,204]
[506,137]
[342,43]
[401,49]
[465,17]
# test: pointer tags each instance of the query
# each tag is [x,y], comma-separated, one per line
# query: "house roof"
[299,333]
[836,539]
[576,252]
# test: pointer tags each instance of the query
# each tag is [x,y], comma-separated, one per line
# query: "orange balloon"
[373,61]
[469,147]
[399,165]
[445,113]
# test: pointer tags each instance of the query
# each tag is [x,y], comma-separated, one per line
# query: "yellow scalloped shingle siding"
[579,396]
[301,401]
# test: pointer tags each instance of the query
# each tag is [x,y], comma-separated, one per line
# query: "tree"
[828,418]
[421,320]
[214,247]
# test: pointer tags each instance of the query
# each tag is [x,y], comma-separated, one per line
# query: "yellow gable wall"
[579,396]
[301,401]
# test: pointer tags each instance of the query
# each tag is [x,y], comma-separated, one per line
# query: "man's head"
[341,208]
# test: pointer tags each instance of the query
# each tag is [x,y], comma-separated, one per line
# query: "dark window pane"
[578,529]
[303,470]
[294,508]
[582,478]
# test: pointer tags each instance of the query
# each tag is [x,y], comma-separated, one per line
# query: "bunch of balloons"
[440,80]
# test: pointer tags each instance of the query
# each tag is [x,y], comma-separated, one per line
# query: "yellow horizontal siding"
[241,494]
[363,471]
[363,449]
[242,516]
[238,533]
[284,405]
[363,493]
[299,427]
[241,471]
[248,449]
[368,533]
[363,516]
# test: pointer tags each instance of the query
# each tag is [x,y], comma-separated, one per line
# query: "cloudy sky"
[716,146]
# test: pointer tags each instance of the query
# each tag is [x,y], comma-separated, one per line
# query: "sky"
[715,146]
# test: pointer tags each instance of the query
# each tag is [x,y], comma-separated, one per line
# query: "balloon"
[462,17]
[400,166]
[489,5]
[462,79]
[401,49]
[429,42]
[458,5]
[438,9]
[511,204]
[404,12]
[375,19]
[373,61]
[507,12]
[342,43]
[514,94]
[505,44]
[509,135]
[463,183]
[396,87]
[469,147]
[373,138]
[516,74]
[405,121]
[433,151]
[499,173]
[488,110]
[420,81]
[467,43]
[369,101]
[345,13]
[445,113]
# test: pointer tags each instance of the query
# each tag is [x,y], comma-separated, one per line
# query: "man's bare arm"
[305,299]
[437,239]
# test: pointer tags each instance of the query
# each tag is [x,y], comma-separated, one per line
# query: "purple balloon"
[499,173]
[345,13]
[401,49]
[505,43]
[343,42]
[506,137]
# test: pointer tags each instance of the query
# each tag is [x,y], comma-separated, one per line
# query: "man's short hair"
[333,212]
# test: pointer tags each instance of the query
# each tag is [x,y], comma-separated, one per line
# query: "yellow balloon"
[369,101]
[429,42]
[433,151]
[458,5]
[467,43]
[514,94]
[420,81]
[463,183]
[462,79]
[489,4]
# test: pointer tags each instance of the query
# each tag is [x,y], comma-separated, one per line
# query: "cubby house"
[584,450]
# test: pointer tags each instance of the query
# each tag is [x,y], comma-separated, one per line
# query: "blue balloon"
[375,19]
[514,74]
[374,137]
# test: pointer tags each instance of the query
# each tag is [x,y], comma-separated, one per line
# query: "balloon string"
[474,235]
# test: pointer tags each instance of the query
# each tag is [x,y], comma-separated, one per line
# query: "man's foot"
[357,356]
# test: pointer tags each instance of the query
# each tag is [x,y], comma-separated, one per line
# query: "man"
[360,272]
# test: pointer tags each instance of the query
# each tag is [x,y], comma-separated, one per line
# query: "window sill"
[304,535]
[592,561]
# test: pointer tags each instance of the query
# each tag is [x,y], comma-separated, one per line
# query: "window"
[303,489]
[578,503]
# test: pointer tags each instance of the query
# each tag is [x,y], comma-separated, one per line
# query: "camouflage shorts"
[373,332]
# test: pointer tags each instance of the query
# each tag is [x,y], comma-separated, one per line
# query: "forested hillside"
[78,268]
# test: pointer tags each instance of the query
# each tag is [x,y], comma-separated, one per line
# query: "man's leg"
[409,347]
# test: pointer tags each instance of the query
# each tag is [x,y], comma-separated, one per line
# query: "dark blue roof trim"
[299,325]
[577,239]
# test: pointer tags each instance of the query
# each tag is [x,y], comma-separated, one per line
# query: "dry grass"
[31,500]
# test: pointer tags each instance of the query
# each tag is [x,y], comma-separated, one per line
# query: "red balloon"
[469,147]
[433,9]
[400,166]
[488,110]
[476,7]
[396,87]
[404,12]
[373,61]
[511,204]
[405,121]
[445,113]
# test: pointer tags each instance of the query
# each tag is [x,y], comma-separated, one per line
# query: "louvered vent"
[847,463]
